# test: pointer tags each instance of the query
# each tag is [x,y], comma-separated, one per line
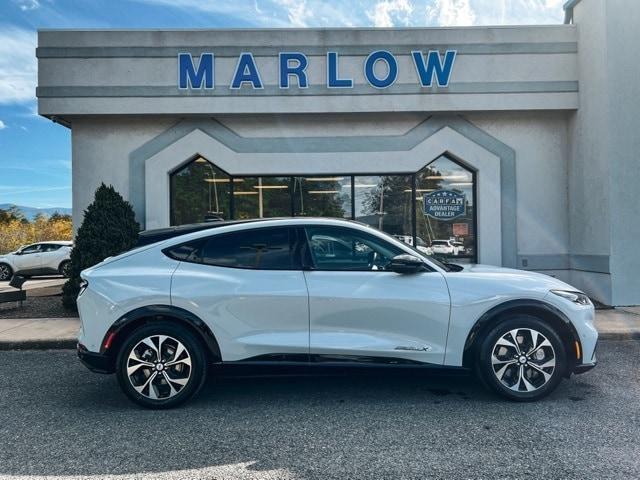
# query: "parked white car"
[444,247]
[421,244]
[459,246]
[274,292]
[42,258]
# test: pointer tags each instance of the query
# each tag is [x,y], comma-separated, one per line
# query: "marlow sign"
[192,75]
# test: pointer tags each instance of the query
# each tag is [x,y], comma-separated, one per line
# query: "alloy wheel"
[66,270]
[159,367]
[523,360]
[5,273]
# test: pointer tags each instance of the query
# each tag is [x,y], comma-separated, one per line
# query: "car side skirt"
[285,363]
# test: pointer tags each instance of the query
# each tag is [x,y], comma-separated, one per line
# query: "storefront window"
[200,191]
[262,197]
[384,202]
[322,196]
[445,194]
[443,199]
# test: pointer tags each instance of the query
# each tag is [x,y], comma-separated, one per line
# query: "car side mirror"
[406,264]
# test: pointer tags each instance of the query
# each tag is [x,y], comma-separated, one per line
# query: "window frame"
[296,263]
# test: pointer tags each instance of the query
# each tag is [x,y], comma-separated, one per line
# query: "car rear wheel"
[5,272]
[161,365]
[65,269]
[522,359]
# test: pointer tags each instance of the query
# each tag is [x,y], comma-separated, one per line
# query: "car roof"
[159,234]
[54,242]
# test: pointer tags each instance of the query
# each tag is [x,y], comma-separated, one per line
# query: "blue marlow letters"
[192,75]
[298,70]
[188,76]
[441,70]
[246,71]
[369,69]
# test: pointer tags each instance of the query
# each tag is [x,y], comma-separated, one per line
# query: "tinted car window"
[186,251]
[262,248]
[335,248]
[31,249]
[49,247]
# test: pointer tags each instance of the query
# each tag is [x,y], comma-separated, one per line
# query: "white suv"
[313,293]
[43,258]
[444,247]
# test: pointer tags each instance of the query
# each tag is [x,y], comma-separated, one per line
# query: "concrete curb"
[44,344]
[603,336]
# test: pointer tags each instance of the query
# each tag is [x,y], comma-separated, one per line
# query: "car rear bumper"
[96,362]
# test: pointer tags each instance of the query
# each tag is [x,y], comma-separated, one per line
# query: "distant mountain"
[31,212]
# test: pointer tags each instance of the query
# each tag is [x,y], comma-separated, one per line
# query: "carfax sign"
[444,204]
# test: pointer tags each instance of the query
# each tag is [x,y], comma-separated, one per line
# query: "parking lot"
[61,421]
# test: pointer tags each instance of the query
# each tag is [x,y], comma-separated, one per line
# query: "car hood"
[517,278]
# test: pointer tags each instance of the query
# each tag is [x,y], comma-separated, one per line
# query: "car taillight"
[83,286]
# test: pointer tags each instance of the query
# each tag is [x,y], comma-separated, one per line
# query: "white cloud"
[297,11]
[18,69]
[389,13]
[447,13]
[26,5]
[2,125]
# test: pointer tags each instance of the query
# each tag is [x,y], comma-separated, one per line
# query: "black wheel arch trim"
[514,306]
[152,313]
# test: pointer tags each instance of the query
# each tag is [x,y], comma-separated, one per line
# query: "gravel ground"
[58,419]
[36,307]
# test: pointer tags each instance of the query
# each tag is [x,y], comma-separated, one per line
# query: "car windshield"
[439,242]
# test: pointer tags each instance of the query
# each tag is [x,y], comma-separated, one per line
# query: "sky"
[35,153]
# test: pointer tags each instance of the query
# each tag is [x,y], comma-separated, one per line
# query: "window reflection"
[384,202]
[446,224]
[444,220]
[322,196]
[199,191]
[262,197]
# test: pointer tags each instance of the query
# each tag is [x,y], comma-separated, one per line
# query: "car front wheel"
[522,359]
[161,365]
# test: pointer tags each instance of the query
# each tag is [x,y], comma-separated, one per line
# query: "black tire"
[6,272]
[196,375]
[65,269]
[512,374]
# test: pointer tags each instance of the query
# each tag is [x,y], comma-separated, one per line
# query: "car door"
[29,259]
[248,286]
[50,256]
[358,311]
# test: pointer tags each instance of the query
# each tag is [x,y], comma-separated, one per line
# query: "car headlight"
[575,297]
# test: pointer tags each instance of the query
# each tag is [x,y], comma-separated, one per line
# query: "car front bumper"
[584,367]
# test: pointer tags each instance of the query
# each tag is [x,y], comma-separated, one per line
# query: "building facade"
[511,146]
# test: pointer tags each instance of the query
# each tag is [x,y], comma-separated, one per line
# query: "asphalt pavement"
[61,421]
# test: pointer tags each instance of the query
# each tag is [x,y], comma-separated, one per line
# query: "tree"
[109,228]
